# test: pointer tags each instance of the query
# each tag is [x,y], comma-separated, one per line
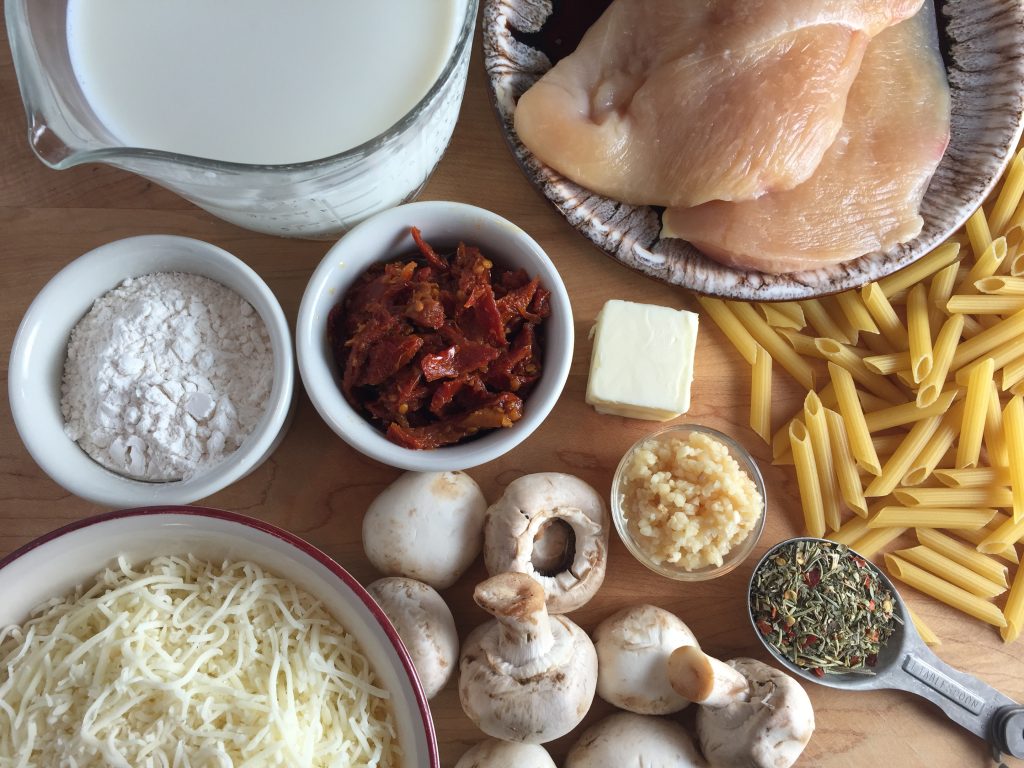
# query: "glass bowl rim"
[738,553]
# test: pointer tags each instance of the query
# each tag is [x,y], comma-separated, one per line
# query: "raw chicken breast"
[866,194]
[678,102]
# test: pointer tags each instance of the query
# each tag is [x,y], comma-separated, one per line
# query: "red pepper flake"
[809,640]
[861,562]
[867,582]
[818,672]
[871,605]
[812,578]
[872,660]
[764,626]
[854,661]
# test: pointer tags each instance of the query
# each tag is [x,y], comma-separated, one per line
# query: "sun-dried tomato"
[436,349]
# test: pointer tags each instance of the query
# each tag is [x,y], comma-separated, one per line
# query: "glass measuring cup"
[318,199]
[905,663]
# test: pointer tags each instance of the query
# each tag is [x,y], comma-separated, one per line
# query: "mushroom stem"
[704,679]
[517,602]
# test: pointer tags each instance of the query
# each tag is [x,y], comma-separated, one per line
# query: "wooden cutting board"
[317,487]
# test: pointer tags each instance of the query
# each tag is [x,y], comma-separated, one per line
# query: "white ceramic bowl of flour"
[40,350]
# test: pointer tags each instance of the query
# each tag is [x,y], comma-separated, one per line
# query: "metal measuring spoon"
[905,663]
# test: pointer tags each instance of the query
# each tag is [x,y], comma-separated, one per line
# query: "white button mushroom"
[751,714]
[526,676]
[426,526]
[493,753]
[633,646]
[554,528]
[635,740]
[426,626]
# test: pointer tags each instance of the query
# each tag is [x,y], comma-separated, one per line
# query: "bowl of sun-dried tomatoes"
[435,336]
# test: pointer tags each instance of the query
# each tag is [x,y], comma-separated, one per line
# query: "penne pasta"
[821,321]
[831,305]
[889,363]
[1009,196]
[942,357]
[931,517]
[730,325]
[941,287]
[979,391]
[870,543]
[1007,534]
[801,343]
[761,394]
[780,442]
[978,232]
[1013,373]
[951,571]
[986,265]
[1003,551]
[852,306]
[902,460]
[845,465]
[1007,330]
[981,564]
[942,256]
[985,304]
[908,413]
[850,531]
[817,431]
[1001,286]
[977,477]
[782,353]
[842,355]
[929,458]
[954,497]
[995,440]
[919,332]
[807,479]
[1001,354]
[886,445]
[885,316]
[1013,423]
[943,591]
[926,633]
[853,417]
[1013,613]
[779,317]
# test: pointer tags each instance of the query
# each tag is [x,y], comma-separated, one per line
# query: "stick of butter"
[642,363]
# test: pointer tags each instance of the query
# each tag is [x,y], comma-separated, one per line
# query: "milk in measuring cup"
[257,81]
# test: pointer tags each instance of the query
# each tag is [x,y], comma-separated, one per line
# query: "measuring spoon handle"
[965,699]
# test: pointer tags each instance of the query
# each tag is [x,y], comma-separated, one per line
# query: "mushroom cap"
[427,526]
[536,709]
[492,753]
[522,533]
[635,740]
[768,731]
[426,626]
[633,647]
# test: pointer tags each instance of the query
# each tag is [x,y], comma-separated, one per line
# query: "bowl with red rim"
[55,564]
[386,237]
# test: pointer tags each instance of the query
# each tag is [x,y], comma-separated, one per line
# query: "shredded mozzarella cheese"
[185,664]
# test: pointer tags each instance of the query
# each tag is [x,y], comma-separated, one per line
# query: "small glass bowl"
[737,554]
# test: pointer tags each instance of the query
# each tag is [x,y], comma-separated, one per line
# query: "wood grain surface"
[317,487]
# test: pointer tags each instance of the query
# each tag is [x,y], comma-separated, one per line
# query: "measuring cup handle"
[966,700]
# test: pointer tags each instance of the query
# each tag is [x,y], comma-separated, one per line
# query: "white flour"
[165,376]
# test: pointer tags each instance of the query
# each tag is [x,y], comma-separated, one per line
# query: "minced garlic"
[687,502]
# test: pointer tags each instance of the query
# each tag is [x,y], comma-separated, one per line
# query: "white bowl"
[52,565]
[40,349]
[385,237]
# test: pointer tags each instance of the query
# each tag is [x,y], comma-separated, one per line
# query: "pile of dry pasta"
[914,416]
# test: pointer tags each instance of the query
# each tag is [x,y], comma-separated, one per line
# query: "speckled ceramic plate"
[983,46]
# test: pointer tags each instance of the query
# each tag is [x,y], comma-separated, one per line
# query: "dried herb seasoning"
[823,607]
